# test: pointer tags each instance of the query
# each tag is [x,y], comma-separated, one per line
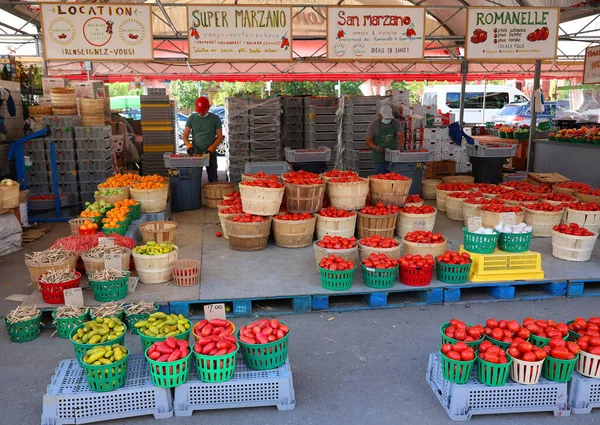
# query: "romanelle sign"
[591,70]
[505,34]
[97,32]
[375,33]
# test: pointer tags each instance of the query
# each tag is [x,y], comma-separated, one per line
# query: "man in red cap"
[207,134]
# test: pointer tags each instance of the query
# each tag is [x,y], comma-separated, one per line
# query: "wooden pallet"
[31,235]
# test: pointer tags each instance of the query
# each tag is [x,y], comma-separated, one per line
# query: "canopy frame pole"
[463,87]
[533,123]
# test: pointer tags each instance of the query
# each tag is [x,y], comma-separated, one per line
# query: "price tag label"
[215,311]
[473,223]
[418,225]
[73,296]
[106,241]
[113,261]
[132,284]
[508,218]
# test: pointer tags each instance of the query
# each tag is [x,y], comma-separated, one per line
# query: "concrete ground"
[348,368]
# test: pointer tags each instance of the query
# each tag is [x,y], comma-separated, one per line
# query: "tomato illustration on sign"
[194,33]
[479,36]
[285,43]
[411,32]
[340,34]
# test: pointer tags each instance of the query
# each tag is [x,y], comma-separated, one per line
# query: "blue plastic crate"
[68,399]
[247,388]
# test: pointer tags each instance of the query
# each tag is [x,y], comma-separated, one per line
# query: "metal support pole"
[464,69]
[533,124]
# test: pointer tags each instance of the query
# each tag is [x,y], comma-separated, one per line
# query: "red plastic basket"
[52,293]
[416,276]
[186,272]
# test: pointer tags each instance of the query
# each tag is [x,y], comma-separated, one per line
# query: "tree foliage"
[123,89]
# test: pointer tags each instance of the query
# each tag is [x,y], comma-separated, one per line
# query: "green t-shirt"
[204,130]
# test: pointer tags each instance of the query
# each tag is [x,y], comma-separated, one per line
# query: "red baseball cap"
[202,105]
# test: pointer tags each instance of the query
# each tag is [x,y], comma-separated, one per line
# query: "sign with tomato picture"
[384,33]
[97,32]
[239,33]
[520,34]
[591,70]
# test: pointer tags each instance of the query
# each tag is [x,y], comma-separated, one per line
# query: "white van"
[447,99]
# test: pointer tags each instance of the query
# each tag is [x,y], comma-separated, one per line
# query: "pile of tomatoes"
[339,173]
[455,187]
[389,176]
[216,345]
[589,344]
[460,331]
[380,209]
[534,188]
[379,242]
[460,195]
[459,352]
[492,189]
[573,229]
[337,242]
[236,209]
[294,216]
[581,206]
[422,236]
[591,327]
[416,261]
[413,199]
[560,349]
[505,330]
[335,263]
[558,197]
[577,186]
[526,351]
[484,201]
[379,261]
[346,179]
[248,218]
[590,191]
[302,178]
[263,175]
[271,184]
[544,206]
[423,209]
[453,257]
[263,331]
[513,195]
[546,328]
[499,208]
[492,353]
[335,213]
[234,194]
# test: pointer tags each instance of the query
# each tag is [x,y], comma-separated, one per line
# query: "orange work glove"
[211,149]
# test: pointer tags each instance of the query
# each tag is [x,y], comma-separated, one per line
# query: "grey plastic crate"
[349,135]
[320,119]
[62,133]
[317,137]
[88,186]
[94,154]
[39,188]
[67,187]
[361,110]
[37,178]
[63,121]
[87,197]
[68,399]
[359,118]
[59,145]
[47,204]
[93,132]
[95,165]
[486,151]
[247,388]
[320,110]
[320,101]
[64,166]
[308,155]
[401,156]
[34,145]
[68,177]
[185,161]
[64,155]
[320,128]
[358,155]
[37,156]
[87,143]
[269,167]
[584,394]
[359,164]
[39,167]
[275,130]
[474,398]
[156,91]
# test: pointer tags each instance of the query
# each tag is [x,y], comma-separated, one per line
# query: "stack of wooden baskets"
[92,111]
[212,193]
[63,101]
[38,112]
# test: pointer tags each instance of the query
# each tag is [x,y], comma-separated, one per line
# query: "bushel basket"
[212,193]
[155,268]
[248,236]
[263,201]
[304,198]
[410,222]
[376,225]
[394,192]
[159,231]
[293,233]
[348,196]
[333,226]
[349,254]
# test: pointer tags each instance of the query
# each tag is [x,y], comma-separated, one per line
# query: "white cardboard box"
[89,89]
[451,147]
[50,83]
[441,134]
[436,156]
[433,145]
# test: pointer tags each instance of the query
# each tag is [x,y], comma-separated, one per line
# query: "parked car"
[446,98]
[520,113]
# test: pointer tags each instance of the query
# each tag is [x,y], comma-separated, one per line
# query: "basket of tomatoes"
[421,242]
[456,331]
[493,366]
[416,270]
[379,271]
[457,362]
[527,362]
[264,343]
[561,358]
[336,273]
[453,267]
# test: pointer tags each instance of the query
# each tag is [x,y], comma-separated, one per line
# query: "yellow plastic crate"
[505,266]
[158,148]
[156,128]
[155,105]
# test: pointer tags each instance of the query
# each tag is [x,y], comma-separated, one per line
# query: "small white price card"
[73,296]
[508,218]
[113,261]
[418,225]
[106,241]
[215,311]
[473,223]
[132,284]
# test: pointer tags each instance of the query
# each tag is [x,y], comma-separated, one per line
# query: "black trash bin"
[487,170]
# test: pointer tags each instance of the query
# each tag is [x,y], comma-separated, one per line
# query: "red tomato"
[467,355]
[453,355]
[529,357]
[540,354]
[446,348]
[560,353]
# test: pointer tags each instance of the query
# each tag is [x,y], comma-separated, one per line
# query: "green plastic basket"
[479,244]
[510,242]
[112,290]
[573,336]
[544,125]
[80,349]
[558,370]
[106,377]
[492,374]
[132,319]
[503,135]
[24,331]
[147,341]
[501,344]
[379,278]
[336,280]
[97,220]
[456,371]
[121,230]
[215,368]
[540,341]
[447,340]
[169,374]
[522,135]
[453,273]
[64,326]
[136,211]
[265,356]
